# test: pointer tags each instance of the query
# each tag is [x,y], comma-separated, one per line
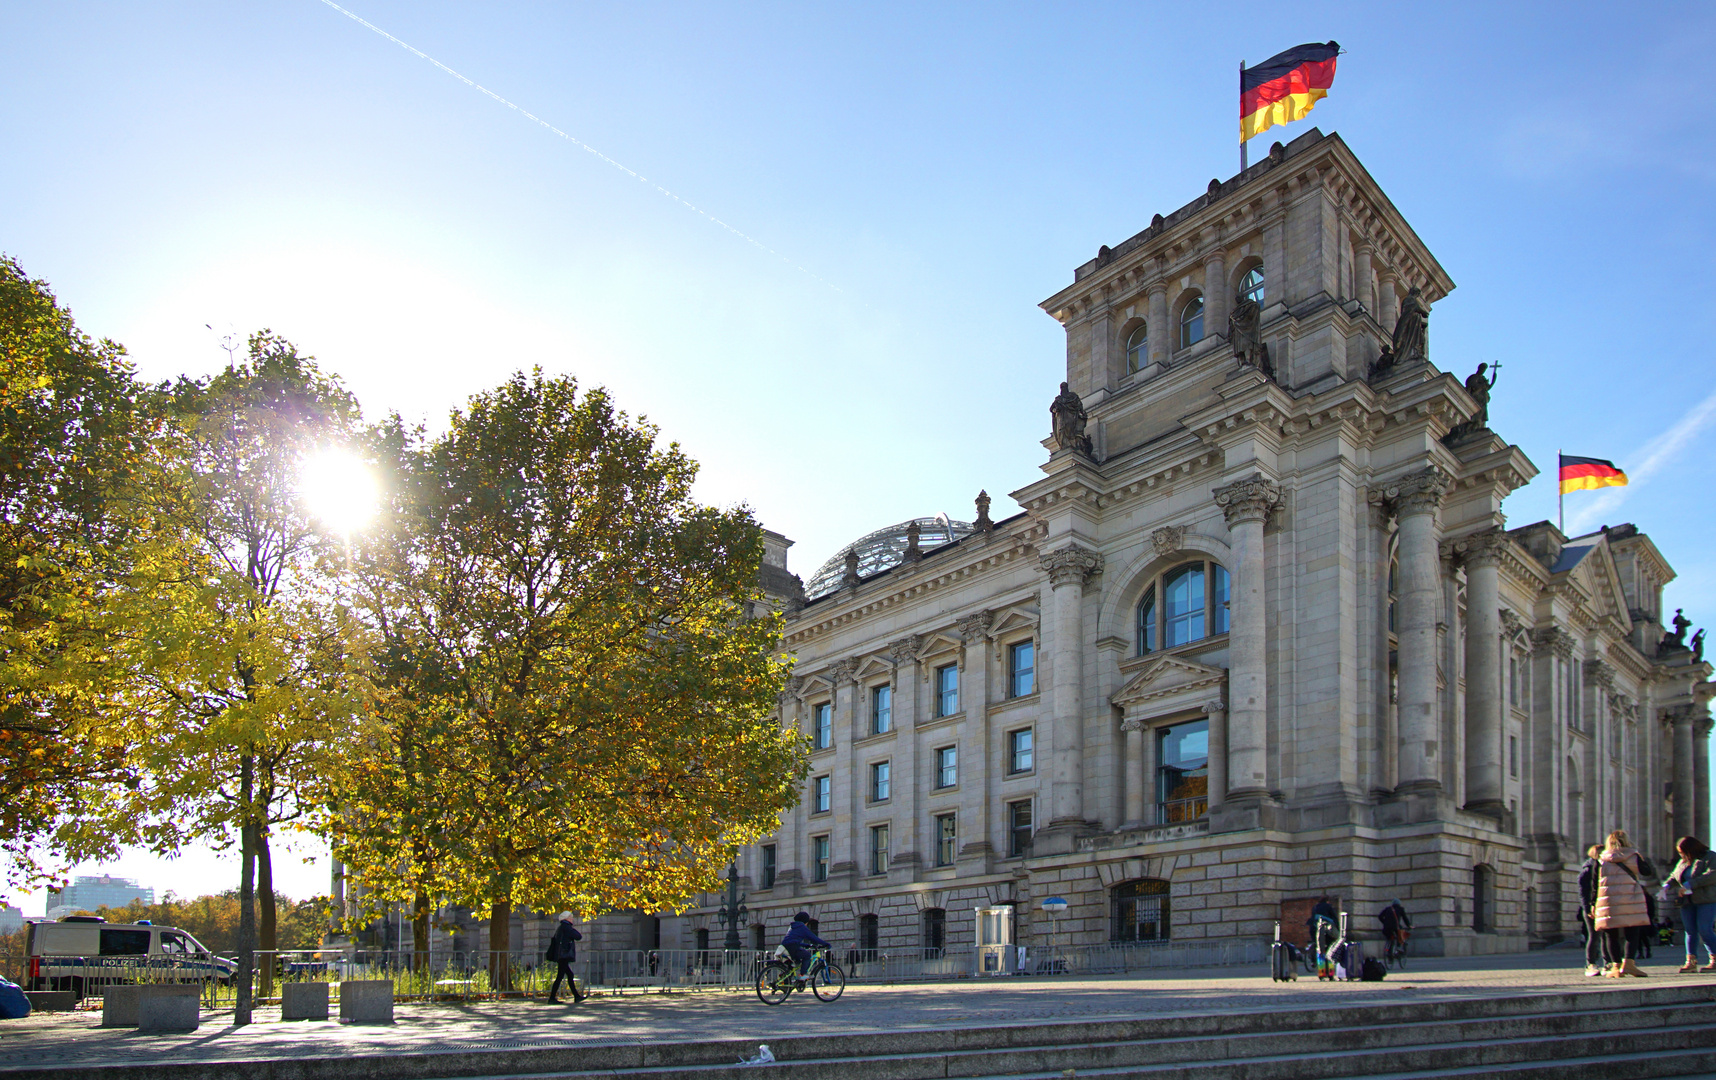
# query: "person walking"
[1597,959]
[1694,879]
[1621,913]
[563,950]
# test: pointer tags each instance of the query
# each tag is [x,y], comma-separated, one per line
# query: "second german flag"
[1285,87]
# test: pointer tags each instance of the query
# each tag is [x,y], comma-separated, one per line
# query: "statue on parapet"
[1244,333]
[1676,638]
[1479,387]
[1067,418]
[1698,644]
[1412,329]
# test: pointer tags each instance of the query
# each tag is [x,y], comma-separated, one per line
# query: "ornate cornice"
[1070,565]
[1555,639]
[1168,539]
[1417,492]
[1251,499]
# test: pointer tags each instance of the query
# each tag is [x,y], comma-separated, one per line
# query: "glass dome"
[885,549]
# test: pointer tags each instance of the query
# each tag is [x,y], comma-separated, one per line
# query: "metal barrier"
[89,976]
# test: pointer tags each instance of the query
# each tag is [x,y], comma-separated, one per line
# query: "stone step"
[1690,1064]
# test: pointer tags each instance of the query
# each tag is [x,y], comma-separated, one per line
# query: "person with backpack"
[1621,912]
[1396,924]
[563,950]
[1693,880]
[1597,959]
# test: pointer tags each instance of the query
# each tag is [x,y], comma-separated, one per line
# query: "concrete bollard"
[119,1006]
[168,1007]
[51,1000]
[366,1001]
[305,1001]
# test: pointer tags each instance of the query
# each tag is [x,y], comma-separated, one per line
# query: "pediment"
[874,667]
[1168,676]
[1602,582]
[1012,620]
[938,643]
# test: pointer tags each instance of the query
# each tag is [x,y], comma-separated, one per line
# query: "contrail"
[1655,454]
[527,114]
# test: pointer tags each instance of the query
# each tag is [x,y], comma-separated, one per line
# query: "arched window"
[1251,285]
[1187,603]
[1140,910]
[1137,349]
[1192,322]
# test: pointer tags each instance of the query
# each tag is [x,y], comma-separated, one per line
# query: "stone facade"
[1393,694]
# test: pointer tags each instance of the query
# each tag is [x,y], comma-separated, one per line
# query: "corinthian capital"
[905,649]
[1481,549]
[974,627]
[843,671]
[1251,499]
[1070,565]
[1418,492]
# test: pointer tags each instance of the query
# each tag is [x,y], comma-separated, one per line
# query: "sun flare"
[339,490]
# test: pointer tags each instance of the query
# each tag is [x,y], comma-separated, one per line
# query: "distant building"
[105,890]
[11,919]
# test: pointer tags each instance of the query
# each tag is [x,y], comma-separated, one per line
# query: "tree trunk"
[420,912]
[266,916]
[246,894]
[500,945]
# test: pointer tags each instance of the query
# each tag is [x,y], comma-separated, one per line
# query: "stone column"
[1247,504]
[1067,568]
[1217,712]
[1104,371]
[1416,497]
[846,851]
[1134,770]
[907,679]
[1685,776]
[1216,300]
[1481,553]
[1388,304]
[974,761]
[792,853]
[1161,334]
[1361,279]
[1700,777]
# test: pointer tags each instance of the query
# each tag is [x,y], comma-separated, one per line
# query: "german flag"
[1589,473]
[1284,87]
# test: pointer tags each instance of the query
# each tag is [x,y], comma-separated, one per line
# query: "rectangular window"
[1513,680]
[878,849]
[946,839]
[823,799]
[947,690]
[881,710]
[947,766]
[819,857]
[1019,828]
[879,781]
[824,725]
[1513,755]
[768,874]
[1183,772]
[1019,757]
[1021,669]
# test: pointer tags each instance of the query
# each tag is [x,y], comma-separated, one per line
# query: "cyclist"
[797,941]
[1395,924]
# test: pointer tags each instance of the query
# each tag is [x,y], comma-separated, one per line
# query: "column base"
[1245,810]
[1416,800]
[1061,837]
[1492,808]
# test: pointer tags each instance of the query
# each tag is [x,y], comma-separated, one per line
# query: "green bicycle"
[779,978]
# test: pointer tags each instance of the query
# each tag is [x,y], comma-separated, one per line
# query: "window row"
[1190,323]
[1021,758]
[944,841]
[1185,604]
[1021,682]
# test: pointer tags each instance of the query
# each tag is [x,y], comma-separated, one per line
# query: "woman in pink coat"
[1621,911]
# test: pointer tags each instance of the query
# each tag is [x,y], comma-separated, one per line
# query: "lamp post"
[734,909]
[1054,905]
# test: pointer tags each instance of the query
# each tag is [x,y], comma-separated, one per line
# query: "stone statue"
[982,524]
[1479,387]
[1411,330]
[849,579]
[1067,416]
[913,551]
[1698,644]
[1676,638]
[1244,333]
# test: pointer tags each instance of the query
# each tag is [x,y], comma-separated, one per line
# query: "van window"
[175,944]
[124,942]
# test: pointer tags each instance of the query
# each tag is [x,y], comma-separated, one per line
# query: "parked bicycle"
[780,977]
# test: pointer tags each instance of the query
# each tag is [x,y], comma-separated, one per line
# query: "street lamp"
[733,910]
[1054,905]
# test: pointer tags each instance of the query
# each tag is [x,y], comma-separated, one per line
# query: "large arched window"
[1137,349]
[1251,285]
[1140,910]
[1192,322]
[1187,603]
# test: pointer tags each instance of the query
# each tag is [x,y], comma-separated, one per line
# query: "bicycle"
[1397,949]
[779,978]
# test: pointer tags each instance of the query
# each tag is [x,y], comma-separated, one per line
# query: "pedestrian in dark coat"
[563,949]
[1597,958]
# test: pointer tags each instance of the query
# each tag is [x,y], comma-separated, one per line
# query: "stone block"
[304,1001]
[51,1000]
[167,1008]
[366,1001]
[119,1006]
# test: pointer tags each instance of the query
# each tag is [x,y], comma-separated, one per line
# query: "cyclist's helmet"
[803,917]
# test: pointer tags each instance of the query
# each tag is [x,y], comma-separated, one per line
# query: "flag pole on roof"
[1283,88]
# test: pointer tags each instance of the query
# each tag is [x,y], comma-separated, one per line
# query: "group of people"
[1617,907]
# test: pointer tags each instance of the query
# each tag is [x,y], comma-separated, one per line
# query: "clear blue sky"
[928,173]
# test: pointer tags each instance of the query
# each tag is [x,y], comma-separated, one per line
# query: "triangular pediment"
[1601,581]
[1167,676]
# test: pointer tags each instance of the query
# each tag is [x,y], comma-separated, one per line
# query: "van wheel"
[76,987]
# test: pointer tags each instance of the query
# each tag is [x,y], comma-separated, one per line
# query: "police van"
[83,953]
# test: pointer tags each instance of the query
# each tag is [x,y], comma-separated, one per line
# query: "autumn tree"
[580,717]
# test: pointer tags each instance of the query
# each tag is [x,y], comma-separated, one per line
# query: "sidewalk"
[74,1039]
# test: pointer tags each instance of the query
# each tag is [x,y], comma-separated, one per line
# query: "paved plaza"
[72,1039]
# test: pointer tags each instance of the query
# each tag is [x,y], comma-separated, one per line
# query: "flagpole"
[1242,110]
[1560,498]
